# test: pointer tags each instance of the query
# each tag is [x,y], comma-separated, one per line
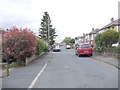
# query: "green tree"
[46,35]
[76,38]
[109,37]
[72,41]
[43,31]
[67,40]
[52,36]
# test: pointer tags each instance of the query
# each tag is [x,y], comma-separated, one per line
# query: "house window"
[112,27]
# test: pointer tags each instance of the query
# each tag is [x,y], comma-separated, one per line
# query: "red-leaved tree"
[18,43]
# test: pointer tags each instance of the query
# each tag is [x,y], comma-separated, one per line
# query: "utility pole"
[48,32]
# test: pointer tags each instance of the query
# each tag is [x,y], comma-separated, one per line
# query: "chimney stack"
[112,20]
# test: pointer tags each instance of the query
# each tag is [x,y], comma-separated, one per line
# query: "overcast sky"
[70,17]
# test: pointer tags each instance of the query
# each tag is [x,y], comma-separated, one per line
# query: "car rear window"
[85,46]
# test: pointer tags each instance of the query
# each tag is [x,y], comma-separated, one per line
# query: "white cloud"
[69,17]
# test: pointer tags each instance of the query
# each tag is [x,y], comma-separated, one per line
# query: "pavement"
[109,60]
[22,77]
[3,71]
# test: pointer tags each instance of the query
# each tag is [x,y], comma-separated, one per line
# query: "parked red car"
[83,49]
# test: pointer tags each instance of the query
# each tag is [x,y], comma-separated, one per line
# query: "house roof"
[79,37]
[94,31]
[114,23]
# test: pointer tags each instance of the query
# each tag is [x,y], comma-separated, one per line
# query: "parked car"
[68,47]
[115,45]
[83,49]
[56,48]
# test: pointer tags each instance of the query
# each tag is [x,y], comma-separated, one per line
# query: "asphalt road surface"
[65,70]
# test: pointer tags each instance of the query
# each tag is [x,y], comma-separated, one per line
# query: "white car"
[68,47]
[56,49]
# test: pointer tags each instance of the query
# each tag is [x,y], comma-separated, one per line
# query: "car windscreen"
[85,46]
[56,47]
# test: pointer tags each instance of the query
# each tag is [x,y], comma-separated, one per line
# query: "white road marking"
[36,78]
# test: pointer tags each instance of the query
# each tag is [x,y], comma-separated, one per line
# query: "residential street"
[65,70]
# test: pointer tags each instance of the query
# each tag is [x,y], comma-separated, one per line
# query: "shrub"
[18,43]
[46,49]
[97,49]
[109,37]
[40,46]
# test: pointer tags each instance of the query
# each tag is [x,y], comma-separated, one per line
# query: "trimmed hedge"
[115,50]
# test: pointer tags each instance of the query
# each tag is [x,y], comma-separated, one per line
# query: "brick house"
[87,38]
[90,37]
[79,39]
[114,24]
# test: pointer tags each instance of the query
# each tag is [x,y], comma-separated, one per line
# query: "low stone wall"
[3,65]
[27,61]
[30,59]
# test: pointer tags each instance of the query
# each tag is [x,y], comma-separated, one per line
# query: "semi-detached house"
[90,37]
